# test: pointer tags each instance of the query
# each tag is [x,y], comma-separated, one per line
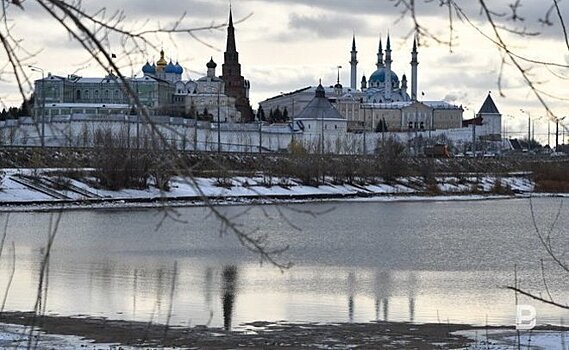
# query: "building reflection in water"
[134,291]
[228,294]
[382,289]
[351,294]
[413,287]
[207,286]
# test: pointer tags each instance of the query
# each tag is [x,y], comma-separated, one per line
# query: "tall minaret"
[379,63]
[354,64]
[388,62]
[414,64]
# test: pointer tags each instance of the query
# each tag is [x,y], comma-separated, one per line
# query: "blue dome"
[170,68]
[379,76]
[179,69]
[148,69]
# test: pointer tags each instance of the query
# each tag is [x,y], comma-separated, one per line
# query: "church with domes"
[164,70]
[161,89]
[224,98]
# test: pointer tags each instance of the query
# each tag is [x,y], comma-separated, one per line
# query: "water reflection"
[229,291]
[382,288]
[134,292]
[351,293]
[412,288]
[433,265]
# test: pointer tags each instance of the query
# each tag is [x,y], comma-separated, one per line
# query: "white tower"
[354,65]
[414,64]
[379,63]
[388,61]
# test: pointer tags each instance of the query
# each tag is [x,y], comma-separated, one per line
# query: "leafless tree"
[94,31]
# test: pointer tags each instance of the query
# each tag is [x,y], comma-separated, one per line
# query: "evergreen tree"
[192,112]
[261,114]
[381,126]
[12,113]
[277,116]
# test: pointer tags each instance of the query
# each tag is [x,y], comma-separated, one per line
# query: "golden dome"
[161,63]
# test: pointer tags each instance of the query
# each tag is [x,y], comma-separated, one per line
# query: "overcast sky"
[289,44]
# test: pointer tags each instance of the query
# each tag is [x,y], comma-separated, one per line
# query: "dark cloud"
[156,10]
[324,26]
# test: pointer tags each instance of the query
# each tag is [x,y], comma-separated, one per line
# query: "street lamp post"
[42,136]
[529,128]
[218,125]
[365,129]
[557,132]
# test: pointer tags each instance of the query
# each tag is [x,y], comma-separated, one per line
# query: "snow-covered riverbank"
[26,189]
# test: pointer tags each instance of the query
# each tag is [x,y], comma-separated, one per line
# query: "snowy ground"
[507,339]
[36,190]
[16,336]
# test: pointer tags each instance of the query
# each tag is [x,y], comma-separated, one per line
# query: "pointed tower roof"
[415,44]
[354,43]
[379,63]
[319,107]
[489,107]
[388,46]
[231,47]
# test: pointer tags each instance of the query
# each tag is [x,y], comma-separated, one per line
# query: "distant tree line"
[275,116]
[25,110]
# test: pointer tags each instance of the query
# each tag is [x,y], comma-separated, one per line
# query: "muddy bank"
[266,335]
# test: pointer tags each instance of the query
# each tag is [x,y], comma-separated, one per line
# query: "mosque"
[383,101]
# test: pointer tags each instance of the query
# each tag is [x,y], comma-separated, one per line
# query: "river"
[353,262]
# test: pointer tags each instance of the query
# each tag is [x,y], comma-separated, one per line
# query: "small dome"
[211,63]
[379,77]
[179,69]
[161,62]
[148,69]
[170,67]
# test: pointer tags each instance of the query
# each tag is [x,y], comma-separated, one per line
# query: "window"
[116,94]
[96,94]
[78,94]
[86,94]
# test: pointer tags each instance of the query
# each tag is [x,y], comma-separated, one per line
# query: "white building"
[320,116]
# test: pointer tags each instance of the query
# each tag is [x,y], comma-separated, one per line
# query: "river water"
[353,262]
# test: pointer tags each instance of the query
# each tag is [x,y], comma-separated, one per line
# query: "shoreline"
[24,190]
[375,334]
[189,202]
